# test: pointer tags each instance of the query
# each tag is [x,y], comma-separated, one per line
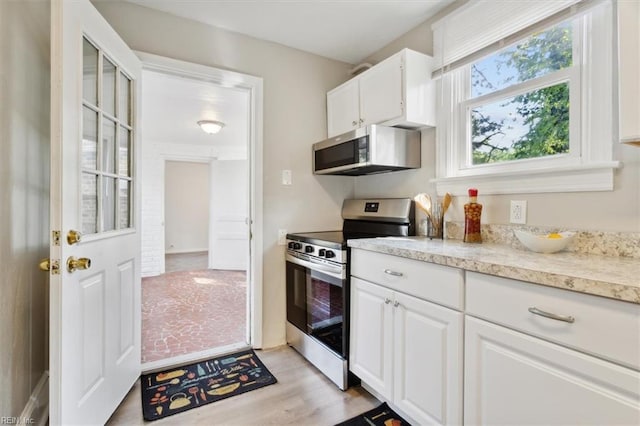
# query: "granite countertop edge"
[612,277]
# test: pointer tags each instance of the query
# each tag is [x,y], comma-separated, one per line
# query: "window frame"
[587,167]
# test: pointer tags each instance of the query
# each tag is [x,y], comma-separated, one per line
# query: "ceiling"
[345,30]
[172,105]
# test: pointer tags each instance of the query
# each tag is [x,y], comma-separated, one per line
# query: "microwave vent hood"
[368,150]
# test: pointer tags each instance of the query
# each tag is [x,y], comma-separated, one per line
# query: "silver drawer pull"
[565,318]
[394,273]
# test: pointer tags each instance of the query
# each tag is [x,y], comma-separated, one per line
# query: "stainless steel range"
[318,281]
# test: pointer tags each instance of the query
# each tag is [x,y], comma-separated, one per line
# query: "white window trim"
[588,167]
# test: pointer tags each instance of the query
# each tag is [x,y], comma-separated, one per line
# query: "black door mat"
[182,388]
[379,416]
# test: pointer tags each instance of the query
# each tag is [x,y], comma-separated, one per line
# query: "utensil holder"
[436,220]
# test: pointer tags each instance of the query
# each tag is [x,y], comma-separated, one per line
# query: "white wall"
[295,86]
[617,210]
[24,200]
[229,240]
[186,207]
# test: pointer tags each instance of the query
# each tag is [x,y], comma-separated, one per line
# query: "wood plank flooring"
[302,396]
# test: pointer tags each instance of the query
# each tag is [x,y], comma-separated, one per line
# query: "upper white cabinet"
[396,92]
[629,70]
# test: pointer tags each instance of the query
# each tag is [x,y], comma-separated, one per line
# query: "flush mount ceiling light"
[210,126]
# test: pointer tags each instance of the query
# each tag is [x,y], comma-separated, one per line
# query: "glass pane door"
[107,135]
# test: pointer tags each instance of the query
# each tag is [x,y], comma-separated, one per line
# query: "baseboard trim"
[37,409]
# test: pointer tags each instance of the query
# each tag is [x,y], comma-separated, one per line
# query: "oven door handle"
[334,271]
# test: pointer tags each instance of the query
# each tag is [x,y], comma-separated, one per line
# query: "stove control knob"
[329,254]
[308,249]
[321,252]
[297,246]
[291,245]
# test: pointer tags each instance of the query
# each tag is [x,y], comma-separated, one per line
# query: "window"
[531,111]
[107,130]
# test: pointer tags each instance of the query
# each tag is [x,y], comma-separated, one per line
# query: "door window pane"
[108,204]
[108,87]
[89,139]
[108,146]
[124,203]
[89,203]
[124,151]
[89,72]
[124,113]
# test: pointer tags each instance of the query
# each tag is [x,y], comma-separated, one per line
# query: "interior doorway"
[201,277]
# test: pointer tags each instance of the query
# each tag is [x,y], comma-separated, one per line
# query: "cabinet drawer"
[437,283]
[604,327]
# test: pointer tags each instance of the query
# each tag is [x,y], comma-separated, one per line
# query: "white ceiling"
[345,30]
[172,105]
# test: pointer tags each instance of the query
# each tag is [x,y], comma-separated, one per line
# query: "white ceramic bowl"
[542,243]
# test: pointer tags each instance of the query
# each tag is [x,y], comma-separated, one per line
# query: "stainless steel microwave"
[367,150]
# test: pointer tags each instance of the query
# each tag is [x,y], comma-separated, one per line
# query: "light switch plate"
[282,237]
[286,177]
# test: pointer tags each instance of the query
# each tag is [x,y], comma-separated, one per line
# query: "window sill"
[593,177]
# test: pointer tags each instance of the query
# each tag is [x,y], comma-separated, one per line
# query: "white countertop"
[612,277]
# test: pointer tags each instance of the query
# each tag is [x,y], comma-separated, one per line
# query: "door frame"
[254,86]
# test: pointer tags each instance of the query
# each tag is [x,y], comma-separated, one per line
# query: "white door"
[428,361]
[515,379]
[94,310]
[371,350]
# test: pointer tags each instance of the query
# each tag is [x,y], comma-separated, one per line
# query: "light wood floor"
[302,396]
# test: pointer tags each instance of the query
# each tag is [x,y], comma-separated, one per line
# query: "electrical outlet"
[518,212]
[282,237]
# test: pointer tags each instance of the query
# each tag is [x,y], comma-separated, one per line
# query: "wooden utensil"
[424,202]
[446,202]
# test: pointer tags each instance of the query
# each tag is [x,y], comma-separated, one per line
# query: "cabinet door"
[381,91]
[428,361]
[343,109]
[371,353]
[513,378]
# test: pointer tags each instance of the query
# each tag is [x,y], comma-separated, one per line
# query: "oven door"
[317,301]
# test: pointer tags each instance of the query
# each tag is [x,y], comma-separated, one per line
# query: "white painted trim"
[254,85]
[187,251]
[37,408]
[570,179]
[191,358]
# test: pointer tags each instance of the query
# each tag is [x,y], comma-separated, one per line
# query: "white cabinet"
[513,378]
[396,92]
[629,70]
[406,349]
[528,356]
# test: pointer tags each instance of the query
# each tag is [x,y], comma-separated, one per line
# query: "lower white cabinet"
[409,351]
[512,378]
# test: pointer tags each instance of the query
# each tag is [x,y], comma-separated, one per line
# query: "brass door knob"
[73,237]
[48,265]
[74,264]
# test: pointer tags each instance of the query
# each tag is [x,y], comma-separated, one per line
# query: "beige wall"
[186,206]
[295,86]
[617,210]
[24,199]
